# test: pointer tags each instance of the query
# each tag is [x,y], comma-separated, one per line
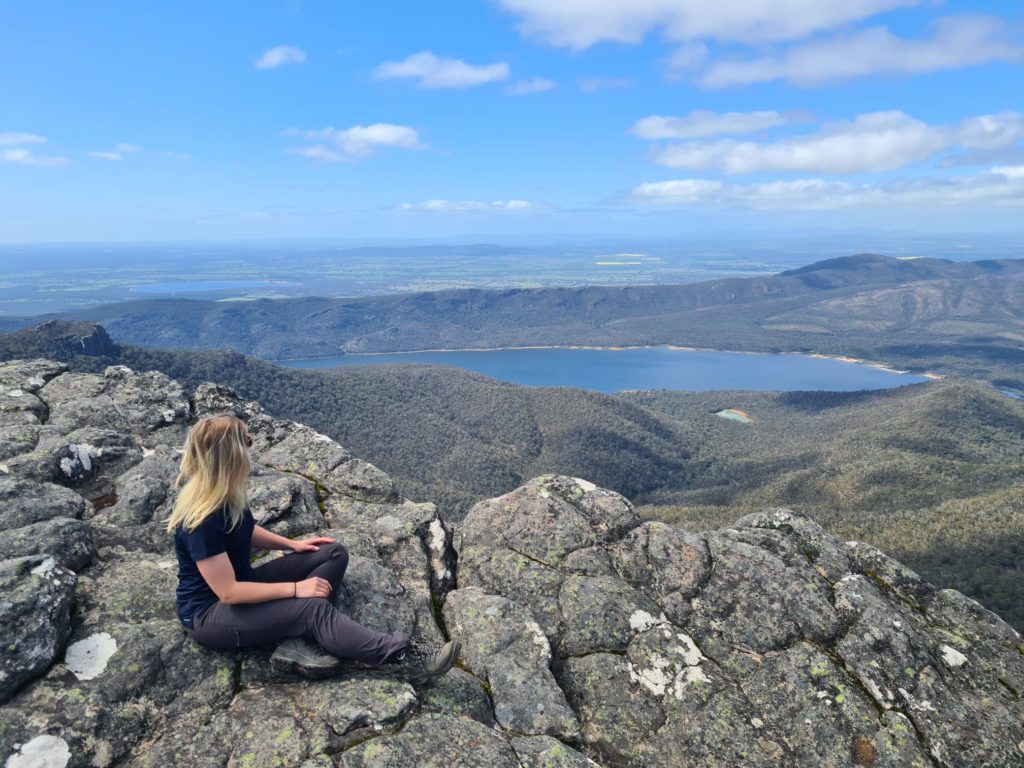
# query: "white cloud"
[579,24]
[703,123]
[992,131]
[467,206]
[958,41]
[999,186]
[280,55]
[1010,171]
[685,58]
[23,156]
[117,153]
[592,84]
[11,138]
[356,143]
[19,155]
[432,71]
[677,191]
[536,85]
[878,141]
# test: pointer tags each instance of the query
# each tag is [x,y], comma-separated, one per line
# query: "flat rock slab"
[23,502]
[67,540]
[138,403]
[435,741]
[504,645]
[548,518]
[285,725]
[134,587]
[35,615]
[546,752]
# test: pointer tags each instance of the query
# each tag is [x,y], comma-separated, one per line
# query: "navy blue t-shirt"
[210,538]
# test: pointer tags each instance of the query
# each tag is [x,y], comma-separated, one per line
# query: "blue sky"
[164,121]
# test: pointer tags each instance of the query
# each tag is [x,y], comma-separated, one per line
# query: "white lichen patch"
[15,393]
[165,564]
[88,657]
[640,620]
[5,469]
[438,541]
[35,381]
[952,656]
[922,705]
[41,752]
[437,537]
[318,438]
[82,455]
[757,722]
[586,485]
[671,674]
[689,676]
[655,678]
[44,567]
[147,451]
[388,524]
[169,415]
[876,692]
[689,651]
[539,638]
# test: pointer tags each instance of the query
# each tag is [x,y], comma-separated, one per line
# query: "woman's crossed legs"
[245,624]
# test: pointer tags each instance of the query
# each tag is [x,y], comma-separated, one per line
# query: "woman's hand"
[314,587]
[310,545]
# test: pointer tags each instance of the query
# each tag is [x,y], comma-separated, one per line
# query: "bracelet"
[296,592]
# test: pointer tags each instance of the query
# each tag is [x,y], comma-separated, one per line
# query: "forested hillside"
[962,318]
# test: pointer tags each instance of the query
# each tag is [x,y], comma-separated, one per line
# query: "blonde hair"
[216,465]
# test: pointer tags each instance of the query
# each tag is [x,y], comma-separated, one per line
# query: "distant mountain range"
[923,314]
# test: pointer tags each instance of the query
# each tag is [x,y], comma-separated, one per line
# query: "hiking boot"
[438,665]
[304,654]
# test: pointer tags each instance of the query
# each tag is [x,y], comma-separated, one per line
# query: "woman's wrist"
[295,593]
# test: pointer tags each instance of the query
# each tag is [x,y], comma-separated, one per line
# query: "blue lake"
[615,370]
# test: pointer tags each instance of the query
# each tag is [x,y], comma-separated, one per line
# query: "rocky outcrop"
[590,637]
[767,643]
[97,670]
[60,339]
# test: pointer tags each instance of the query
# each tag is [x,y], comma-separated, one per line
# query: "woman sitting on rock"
[223,602]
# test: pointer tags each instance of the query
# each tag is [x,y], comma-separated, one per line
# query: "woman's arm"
[264,539]
[220,575]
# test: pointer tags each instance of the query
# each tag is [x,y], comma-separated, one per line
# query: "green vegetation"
[960,318]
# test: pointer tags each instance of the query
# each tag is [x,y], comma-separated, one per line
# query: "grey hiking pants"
[226,626]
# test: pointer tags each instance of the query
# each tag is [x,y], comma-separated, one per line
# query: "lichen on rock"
[589,637]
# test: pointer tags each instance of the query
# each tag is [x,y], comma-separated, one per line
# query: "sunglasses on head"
[248,441]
